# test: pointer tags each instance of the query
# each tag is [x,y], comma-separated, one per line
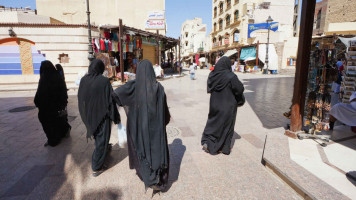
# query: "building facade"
[335,17]
[232,21]
[193,37]
[134,13]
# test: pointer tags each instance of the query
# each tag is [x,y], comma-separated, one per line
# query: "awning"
[272,56]
[230,52]
[346,41]
[247,53]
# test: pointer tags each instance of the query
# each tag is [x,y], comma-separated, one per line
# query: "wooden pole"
[121,33]
[302,68]
[157,49]
[176,57]
[180,64]
[238,56]
[258,44]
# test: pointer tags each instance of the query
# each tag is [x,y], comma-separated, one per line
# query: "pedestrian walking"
[148,116]
[60,70]
[226,95]
[192,69]
[97,110]
[51,100]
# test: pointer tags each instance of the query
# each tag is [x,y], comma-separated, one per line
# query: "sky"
[177,11]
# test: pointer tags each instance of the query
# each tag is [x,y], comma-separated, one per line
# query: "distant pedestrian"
[148,116]
[97,110]
[192,69]
[226,95]
[51,100]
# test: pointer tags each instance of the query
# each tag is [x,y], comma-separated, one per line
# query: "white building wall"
[53,41]
[193,36]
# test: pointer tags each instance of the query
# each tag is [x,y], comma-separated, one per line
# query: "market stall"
[123,47]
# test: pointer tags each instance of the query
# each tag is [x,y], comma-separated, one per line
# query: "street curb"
[288,180]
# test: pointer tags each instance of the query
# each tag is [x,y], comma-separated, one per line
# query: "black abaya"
[51,97]
[97,110]
[226,91]
[148,116]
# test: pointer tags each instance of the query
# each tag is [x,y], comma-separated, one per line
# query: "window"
[220,24]
[220,40]
[221,8]
[215,11]
[214,40]
[318,19]
[228,20]
[226,38]
[236,36]
[236,15]
[186,44]
[186,35]
[63,58]
[236,1]
[228,4]
[214,27]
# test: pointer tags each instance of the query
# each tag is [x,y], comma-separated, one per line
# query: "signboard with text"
[155,25]
[156,15]
[254,29]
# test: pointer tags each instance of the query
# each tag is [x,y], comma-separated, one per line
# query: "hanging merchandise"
[106,35]
[106,45]
[102,45]
[130,47]
[115,37]
[94,46]
[124,49]
[110,45]
[322,73]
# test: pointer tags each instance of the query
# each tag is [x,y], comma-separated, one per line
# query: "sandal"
[97,173]
[205,148]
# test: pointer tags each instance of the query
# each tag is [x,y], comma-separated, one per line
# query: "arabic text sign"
[155,24]
[255,27]
[156,15]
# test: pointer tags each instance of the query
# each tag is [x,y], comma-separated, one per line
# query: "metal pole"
[266,70]
[90,46]
[179,57]
[121,32]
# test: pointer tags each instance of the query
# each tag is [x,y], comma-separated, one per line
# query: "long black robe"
[97,110]
[226,91]
[51,97]
[148,116]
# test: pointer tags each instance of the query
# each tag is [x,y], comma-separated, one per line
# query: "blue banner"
[255,27]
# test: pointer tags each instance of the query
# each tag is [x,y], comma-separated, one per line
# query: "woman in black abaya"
[148,116]
[97,110]
[51,99]
[226,95]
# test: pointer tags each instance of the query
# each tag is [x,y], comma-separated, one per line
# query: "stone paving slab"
[193,173]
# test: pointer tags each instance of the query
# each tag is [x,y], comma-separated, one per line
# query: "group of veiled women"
[145,101]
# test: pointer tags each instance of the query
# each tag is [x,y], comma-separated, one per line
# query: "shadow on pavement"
[351,176]
[177,150]
[235,137]
[270,98]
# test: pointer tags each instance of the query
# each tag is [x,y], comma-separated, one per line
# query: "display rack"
[348,85]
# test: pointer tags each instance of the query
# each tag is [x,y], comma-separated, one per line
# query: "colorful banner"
[253,28]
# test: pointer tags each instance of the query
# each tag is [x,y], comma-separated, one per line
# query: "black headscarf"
[147,118]
[95,98]
[60,70]
[51,92]
[221,76]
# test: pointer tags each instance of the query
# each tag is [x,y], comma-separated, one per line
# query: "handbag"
[240,100]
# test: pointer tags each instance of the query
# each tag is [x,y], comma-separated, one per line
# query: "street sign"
[257,27]
[155,25]
[156,15]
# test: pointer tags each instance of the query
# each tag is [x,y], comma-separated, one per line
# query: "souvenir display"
[348,85]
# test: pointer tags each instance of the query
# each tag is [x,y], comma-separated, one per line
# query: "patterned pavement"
[30,171]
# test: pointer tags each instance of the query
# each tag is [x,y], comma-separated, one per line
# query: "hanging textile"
[106,45]
[94,46]
[106,35]
[102,45]
[110,45]
[248,52]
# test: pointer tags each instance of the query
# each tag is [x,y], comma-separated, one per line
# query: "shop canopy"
[230,52]
[346,41]
[247,53]
[169,42]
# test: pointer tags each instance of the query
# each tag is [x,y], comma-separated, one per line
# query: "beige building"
[193,37]
[134,13]
[231,19]
[335,17]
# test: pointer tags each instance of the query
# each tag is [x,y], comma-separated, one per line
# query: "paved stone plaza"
[30,171]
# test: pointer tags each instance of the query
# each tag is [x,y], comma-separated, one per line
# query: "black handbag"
[240,100]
